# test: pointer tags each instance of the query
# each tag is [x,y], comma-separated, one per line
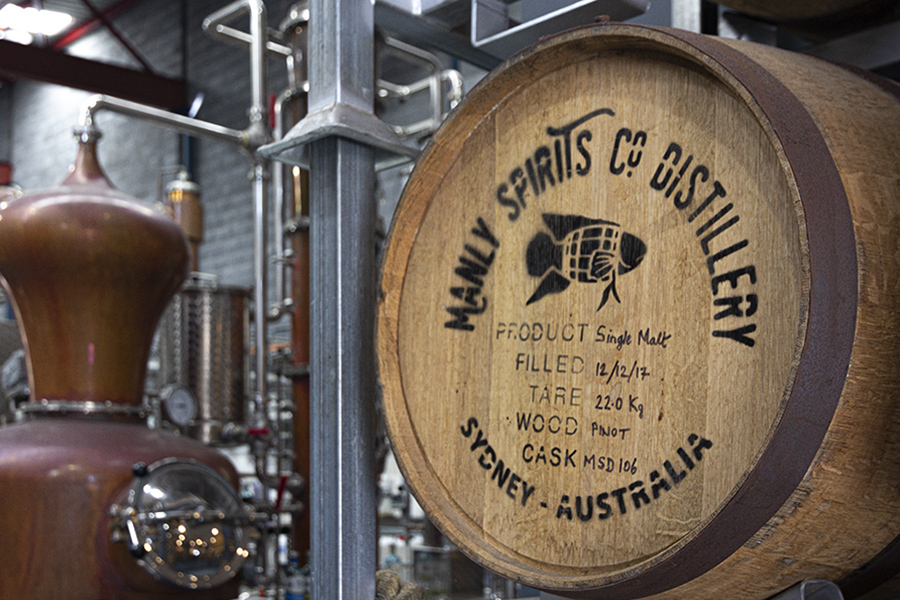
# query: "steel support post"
[342,284]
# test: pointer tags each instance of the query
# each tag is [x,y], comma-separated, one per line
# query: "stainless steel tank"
[203,364]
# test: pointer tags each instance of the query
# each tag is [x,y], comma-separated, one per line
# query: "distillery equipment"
[183,203]
[203,358]
[203,338]
[96,505]
[632,212]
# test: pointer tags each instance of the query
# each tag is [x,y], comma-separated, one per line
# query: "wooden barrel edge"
[886,564]
[829,337]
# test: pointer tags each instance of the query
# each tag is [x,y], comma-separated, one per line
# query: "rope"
[389,587]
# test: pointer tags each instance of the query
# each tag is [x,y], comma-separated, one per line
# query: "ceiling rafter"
[43,64]
[80,29]
[52,65]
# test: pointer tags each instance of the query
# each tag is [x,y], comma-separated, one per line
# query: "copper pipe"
[296,203]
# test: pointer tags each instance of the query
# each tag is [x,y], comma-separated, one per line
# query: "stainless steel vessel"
[203,352]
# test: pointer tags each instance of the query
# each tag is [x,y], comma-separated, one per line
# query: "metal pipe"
[260,267]
[262,472]
[456,86]
[258,42]
[258,111]
[429,125]
[434,81]
[295,29]
[342,313]
[285,302]
[160,117]
[278,183]
[403,90]
[232,35]
[258,134]
[260,418]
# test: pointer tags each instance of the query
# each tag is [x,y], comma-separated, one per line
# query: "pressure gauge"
[184,524]
[181,406]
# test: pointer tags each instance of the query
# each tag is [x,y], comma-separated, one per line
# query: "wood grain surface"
[618,310]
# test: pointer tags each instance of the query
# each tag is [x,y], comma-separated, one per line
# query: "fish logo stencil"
[581,249]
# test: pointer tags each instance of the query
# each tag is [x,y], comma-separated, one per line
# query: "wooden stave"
[725,61]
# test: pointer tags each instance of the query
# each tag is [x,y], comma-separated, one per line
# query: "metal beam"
[41,64]
[117,34]
[872,48]
[79,31]
[342,308]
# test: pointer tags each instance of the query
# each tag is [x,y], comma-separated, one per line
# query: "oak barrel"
[638,319]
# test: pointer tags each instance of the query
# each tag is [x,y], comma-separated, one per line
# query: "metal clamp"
[300,223]
[343,120]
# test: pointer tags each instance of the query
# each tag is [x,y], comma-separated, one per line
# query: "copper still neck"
[88,271]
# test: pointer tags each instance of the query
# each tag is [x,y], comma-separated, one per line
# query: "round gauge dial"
[181,406]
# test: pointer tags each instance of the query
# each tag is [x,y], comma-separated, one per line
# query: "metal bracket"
[872,48]
[490,29]
[343,120]
[426,32]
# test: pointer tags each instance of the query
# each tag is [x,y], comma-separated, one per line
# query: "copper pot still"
[95,504]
